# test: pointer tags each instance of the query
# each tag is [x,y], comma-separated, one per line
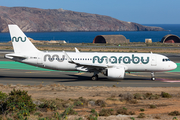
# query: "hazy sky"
[139,11]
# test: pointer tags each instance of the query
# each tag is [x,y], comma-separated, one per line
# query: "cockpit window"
[165,59]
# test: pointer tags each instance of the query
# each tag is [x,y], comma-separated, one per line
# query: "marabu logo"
[125,59]
[18,39]
[54,57]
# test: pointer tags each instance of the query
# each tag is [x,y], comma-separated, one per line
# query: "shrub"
[132,118]
[106,112]
[147,95]
[141,109]
[38,114]
[93,111]
[71,111]
[100,103]
[127,97]
[20,101]
[68,111]
[137,96]
[112,99]
[49,104]
[141,115]
[152,106]
[157,117]
[83,100]
[91,117]
[94,115]
[165,95]
[133,101]
[174,113]
[122,111]
[154,97]
[175,118]
[78,103]
[3,97]
[46,118]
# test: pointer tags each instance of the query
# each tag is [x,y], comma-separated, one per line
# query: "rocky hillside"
[39,20]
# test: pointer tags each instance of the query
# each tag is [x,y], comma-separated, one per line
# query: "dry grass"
[158,47]
[114,98]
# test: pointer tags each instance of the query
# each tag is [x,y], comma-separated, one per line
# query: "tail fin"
[21,43]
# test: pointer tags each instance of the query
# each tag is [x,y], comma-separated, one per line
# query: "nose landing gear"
[153,76]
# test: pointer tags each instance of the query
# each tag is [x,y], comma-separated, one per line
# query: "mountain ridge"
[49,20]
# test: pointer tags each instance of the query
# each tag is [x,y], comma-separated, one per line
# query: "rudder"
[21,43]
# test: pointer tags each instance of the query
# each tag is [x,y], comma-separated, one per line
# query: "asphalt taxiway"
[34,77]
[44,77]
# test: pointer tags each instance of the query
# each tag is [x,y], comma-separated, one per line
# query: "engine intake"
[115,73]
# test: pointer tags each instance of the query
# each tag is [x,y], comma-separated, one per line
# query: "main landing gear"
[95,77]
[153,76]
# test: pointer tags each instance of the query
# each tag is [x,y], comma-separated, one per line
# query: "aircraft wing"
[84,64]
[92,65]
[89,65]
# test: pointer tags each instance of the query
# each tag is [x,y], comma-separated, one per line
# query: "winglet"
[77,51]
[69,59]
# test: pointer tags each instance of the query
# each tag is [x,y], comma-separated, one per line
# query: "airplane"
[113,65]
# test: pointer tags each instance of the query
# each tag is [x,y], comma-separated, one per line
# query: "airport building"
[170,38]
[112,39]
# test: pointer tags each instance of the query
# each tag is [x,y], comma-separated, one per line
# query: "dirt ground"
[129,47]
[112,97]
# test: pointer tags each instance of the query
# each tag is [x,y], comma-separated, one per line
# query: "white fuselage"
[133,62]
[113,65]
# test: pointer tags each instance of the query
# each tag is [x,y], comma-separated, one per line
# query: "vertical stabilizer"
[21,43]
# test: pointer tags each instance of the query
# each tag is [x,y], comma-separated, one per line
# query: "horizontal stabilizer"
[15,56]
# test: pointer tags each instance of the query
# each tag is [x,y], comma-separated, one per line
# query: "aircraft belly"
[59,65]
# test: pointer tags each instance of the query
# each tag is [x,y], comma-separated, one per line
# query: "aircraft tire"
[153,78]
[95,77]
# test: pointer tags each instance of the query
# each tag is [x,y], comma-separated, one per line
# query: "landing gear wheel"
[95,77]
[153,78]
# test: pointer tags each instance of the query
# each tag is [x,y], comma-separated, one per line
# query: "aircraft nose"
[173,65]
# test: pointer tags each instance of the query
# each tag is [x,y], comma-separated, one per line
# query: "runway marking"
[38,72]
[136,75]
[79,73]
[172,73]
[160,79]
[168,80]
[173,81]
